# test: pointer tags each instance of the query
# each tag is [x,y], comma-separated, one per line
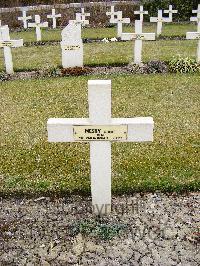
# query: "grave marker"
[112,13]
[6,43]
[119,21]
[100,130]
[83,14]
[160,19]
[72,46]
[195,36]
[38,25]
[54,17]
[171,11]
[138,36]
[195,12]
[79,21]
[24,18]
[141,12]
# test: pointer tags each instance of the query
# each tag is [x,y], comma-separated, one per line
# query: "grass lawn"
[38,57]
[29,164]
[169,29]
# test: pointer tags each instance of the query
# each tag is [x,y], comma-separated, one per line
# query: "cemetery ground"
[31,165]
[45,202]
[43,222]
[169,29]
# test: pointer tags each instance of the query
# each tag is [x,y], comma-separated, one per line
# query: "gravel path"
[149,229]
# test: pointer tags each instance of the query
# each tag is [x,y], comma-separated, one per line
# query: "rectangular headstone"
[72,46]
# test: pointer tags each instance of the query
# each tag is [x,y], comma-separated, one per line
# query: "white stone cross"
[54,17]
[160,19]
[195,12]
[100,130]
[72,46]
[24,18]
[112,13]
[38,25]
[119,21]
[83,14]
[138,36]
[79,20]
[141,12]
[170,11]
[195,36]
[6,43]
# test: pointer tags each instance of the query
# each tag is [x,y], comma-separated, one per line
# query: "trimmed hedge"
[184,8]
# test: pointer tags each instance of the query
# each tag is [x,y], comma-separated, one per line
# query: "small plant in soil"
[184,65]
[97,228]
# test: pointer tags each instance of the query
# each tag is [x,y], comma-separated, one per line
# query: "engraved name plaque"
[71,47]
[5,44]
[100,133]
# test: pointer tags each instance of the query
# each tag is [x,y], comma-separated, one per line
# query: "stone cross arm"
[135,36]
[155,19]
[40,25]
[25,18]
[170,10]
[196,11]
[193,35]
[54,16]
[139,129]
[118,20]
[11,43]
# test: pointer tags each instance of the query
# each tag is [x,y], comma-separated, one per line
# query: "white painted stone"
[6,43]
[171,11]
[83,14]
[54,17]
[24,19]
[159,20]
[105,40]
[72,46]
[141,12]
[112,13]
[38,25]
[79,21]
[195,36]
[138,36]
[138,129]
[195,19]
[119,21]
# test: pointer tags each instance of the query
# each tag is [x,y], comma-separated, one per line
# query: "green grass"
[29,164]
[39,57]
[169,29]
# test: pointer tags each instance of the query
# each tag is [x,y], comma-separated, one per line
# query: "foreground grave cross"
[138,36]
[6,43]
[141,12]
[83,14]
[100,130]
[160,19]
[54,17]
[119,21]
[195,36]
[195,12]
[24,18]
[170,11]
[38,25]
[112,13]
